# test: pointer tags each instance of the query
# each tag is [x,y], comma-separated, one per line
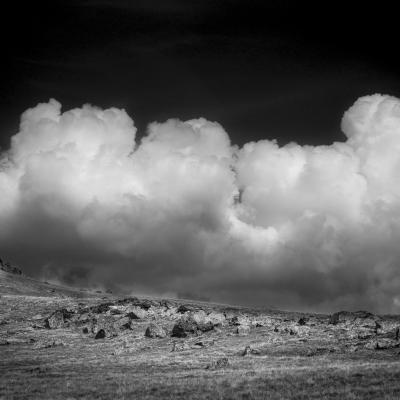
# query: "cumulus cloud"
[185,211]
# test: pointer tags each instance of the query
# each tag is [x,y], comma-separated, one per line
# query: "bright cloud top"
[185,211]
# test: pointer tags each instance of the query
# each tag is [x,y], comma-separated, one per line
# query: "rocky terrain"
[58,342]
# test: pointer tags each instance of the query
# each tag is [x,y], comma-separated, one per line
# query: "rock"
[123,323]
[101,308]
[58,319]
[382,344]
[216,318]
[183,308]
[302,321]
[134,301]
[243,330]
[183,327]
[239,320]
[85,330]
[220,363]
[338,317]
[359,317]
[104,323]
[198,317]
[136,313]
[11,269]
[294,331]
[101,334]
[180,346]
[115,310]
[193,322]
[246,351]
[155,331]
[166,304]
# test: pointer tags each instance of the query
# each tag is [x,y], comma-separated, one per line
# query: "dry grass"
[318,361]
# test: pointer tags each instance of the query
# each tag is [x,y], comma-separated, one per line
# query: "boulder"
[11,269]
[58,319]
[239,320]
[155,331]
[105,323]
[101,308]
[216,318]
[359,317]
[183,308]
[101,334]
[123,323]
[382,344]
[136,313]
[302,321]
[184,327]
[141,303]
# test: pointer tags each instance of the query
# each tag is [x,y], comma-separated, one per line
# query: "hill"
[58,342]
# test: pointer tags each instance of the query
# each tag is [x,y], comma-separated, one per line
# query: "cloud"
[184,210]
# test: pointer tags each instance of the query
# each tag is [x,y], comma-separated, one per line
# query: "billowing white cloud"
[186,211]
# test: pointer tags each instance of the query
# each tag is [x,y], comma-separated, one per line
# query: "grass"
[317,362]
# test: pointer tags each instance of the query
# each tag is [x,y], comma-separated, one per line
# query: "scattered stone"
[101,334]
[347,316]
[11,269]
[155,331]
[183,308]
[220,363]
[337,317]
[180,346]
[58,319]
[246,351]
[166,303]
[123,323]
[183,327]
[101,308]
[216,318]
[134,301]
[382,344]
[106,324]
[136,313]
[243,330]
[302,321]
[116,311]
[198,317]
[239,320]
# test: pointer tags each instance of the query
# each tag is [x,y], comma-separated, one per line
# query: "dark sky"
[263,69]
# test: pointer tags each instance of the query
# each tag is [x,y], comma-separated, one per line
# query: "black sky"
[263,69]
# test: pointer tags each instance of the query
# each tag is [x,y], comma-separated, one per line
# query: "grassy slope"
[317,362]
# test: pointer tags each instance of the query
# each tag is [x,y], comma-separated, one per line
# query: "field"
[60,343]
